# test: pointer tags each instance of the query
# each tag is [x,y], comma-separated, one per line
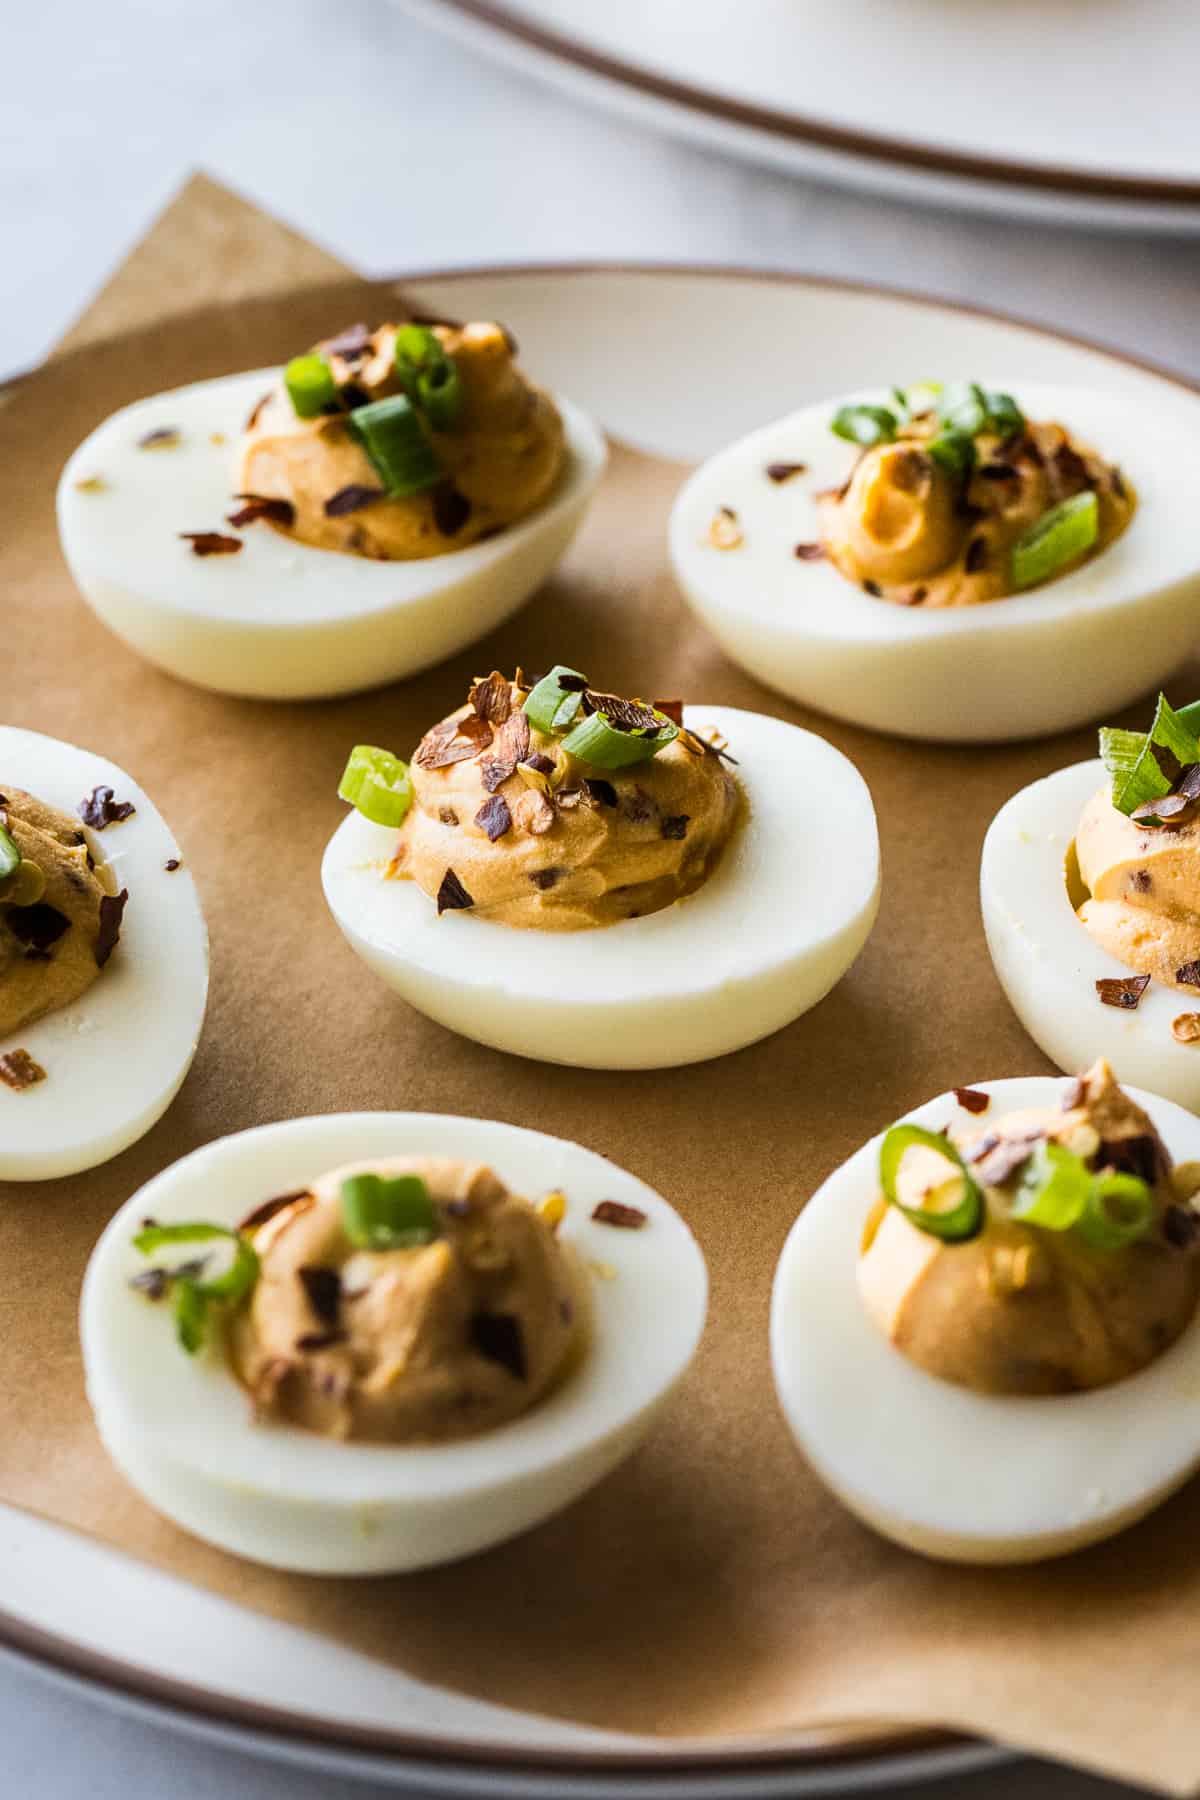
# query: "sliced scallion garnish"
[10,856]
[596,740]
[428,375]
[1061,535]
[955,451]
[1118,1211]
[377,784]
[388,1213]
[963,407]
[866,425]
[552,707]
[953,1224]
[310,385]
[193,1297]
[1053,1189]
[1004,415]
[391,433]
[1129,756]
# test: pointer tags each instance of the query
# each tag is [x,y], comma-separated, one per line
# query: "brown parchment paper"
[710,1587]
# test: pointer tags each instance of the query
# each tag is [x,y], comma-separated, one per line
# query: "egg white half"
[1115,627]
[116,1057]
[968,1477]
[786,911]
[279,619]
[180,1427]
[1048,963]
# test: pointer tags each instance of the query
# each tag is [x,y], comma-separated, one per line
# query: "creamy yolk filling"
[54,934]
[902,528]
[436,1342]
[501,460]
[533,838]
[1021,1309]
[1143,884]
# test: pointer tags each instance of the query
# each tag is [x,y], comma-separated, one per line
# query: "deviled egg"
[407,1303]
[983,1328]
[1090,889]
[370,509]
[929,562]
[103,960]
[586,879]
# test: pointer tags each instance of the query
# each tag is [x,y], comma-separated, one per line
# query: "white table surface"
[431,158]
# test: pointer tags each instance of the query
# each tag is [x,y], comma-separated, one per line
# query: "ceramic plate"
[1089,115]
[92,1616]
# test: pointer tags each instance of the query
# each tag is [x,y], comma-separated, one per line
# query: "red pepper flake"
[671,709]
[873,588]
[451,510]
[452,896]
[262,506]
[165,437]
[498,1337]
[323,1288]
[37,927]
[112,909]
[256,410]
[1187,976]
[351,345]
[626,1218]
[509,747]
[452,741]
[545,878]
[494,817]
[601,791]
[447,815]
[675,825]
[545,765]
[269,1208]
[1126,990]
[971,1100]
[976,557]
[211,543]
[18,1070]
[351,499]
[319,1340]
[809,552]
[783,471]
[995,1158]
[100,810]
[172,863]
[626,715]
[491,698]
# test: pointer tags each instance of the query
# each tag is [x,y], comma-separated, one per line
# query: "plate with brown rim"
[105,1623]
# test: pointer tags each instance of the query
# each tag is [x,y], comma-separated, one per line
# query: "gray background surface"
[399,151]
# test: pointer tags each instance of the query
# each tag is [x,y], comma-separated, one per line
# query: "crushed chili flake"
[1180,1227]
[319,1340]
[1187,976]
[996,1158]
[498,1337]
[154,1283]
[100,809]
[256,410]
[452,896]
[494,817]
[1169,813]
[1123,990]
[351,345]
[261,506]
[447,815]
[670,709]
[809,552]
[977,555]
[613,1212]
[545,878]
[972,1100]
[626,715]
[915,596]
[543,765]
[112,909]
[351,498]
[164,437]
[447,742]
[572,684]
[451,510]
[567,799]
[39,926]
[1185,1028]
[18,1070]
[211,543]
[1141,881]
[491,697]
[601,791]
[873,588]
[172,863]
[532,812]
[783,471]
[324,1290]
[638,808]
[269,1208]
[675,826]
[509,747]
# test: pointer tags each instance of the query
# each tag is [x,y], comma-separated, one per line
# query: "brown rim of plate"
[865,1744]
[798,128]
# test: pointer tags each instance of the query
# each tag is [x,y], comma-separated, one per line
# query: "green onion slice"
[428,376]
[1004,415]
[10,856]
[1053,1190]
[596,740]
[1117,1212]
[194,1296]
[391,433]
[388,1213]
[954,1224]
[1057,538]
[864,425]
[310,385]
[552,707]
[377,784]
[1129,756]
[955,451]
[963,407]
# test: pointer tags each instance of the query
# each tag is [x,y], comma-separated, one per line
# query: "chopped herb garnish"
[194,1297]
[310,385]
[377,784]
[866,425]
[388,1212]
[1136,759]
[554,703]
[1062,535]
[391,433]
[953,1223]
